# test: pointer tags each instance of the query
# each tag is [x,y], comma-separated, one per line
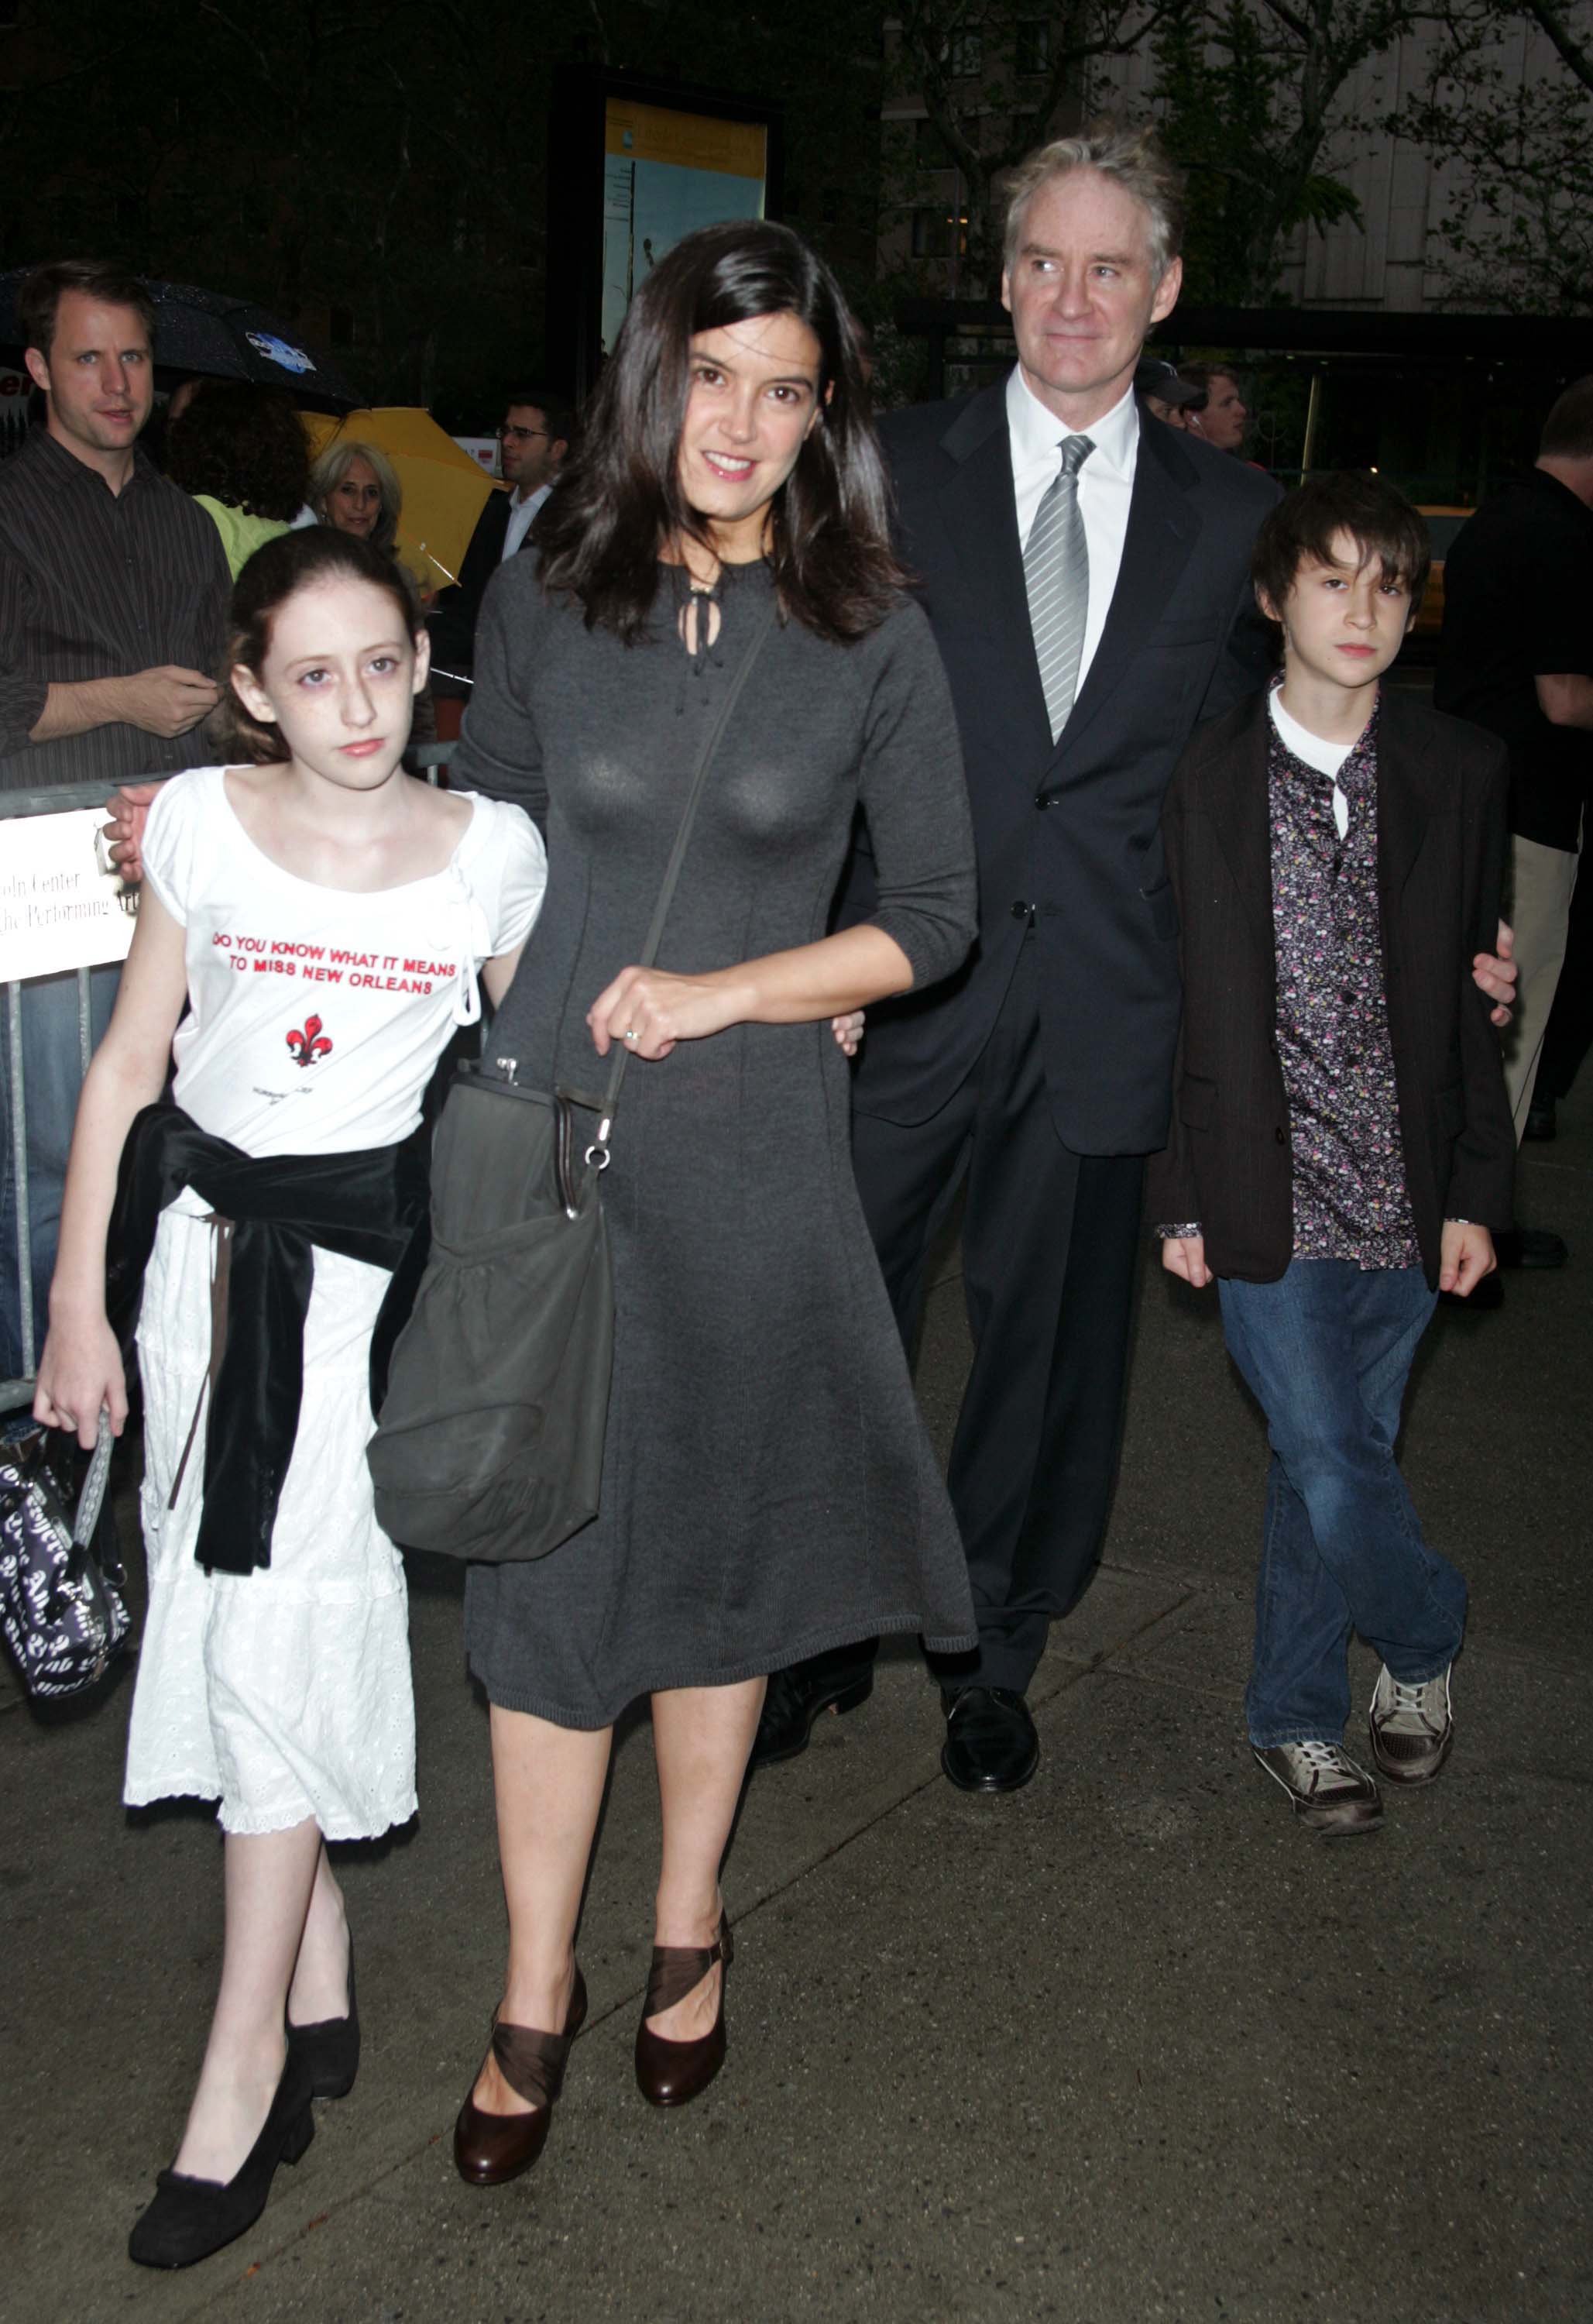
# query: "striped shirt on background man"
[94,584]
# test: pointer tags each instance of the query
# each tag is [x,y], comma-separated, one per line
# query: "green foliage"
[1520,238]
[1240,94]
[997,77]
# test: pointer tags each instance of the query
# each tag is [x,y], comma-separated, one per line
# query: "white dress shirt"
[520,514]
[1326,758]
[1106,484]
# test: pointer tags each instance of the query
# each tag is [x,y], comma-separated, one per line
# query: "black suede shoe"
[329,2050]
[190,2218]
[991,1742]
[797,1696]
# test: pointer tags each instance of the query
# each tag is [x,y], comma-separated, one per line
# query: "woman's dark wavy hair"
[619,499]
[278,571]
[245,446]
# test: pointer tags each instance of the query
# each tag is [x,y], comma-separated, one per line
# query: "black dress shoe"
[1530,1247]
[190,2218]
[330,2048]
[1541,1124]
[991,1742]
[1482,1299]
[798,1696]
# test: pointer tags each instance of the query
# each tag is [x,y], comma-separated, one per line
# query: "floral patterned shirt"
[1350,1200]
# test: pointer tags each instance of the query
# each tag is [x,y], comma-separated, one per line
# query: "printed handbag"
[63,1608]
[490,1439]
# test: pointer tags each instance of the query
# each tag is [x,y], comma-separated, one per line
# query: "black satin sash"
[370,1204]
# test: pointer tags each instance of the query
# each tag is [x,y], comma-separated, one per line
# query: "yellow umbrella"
[445,490]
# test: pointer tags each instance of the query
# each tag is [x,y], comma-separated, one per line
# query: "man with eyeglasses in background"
[532,443]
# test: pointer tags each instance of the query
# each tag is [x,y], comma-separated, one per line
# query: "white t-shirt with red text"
[317,1015]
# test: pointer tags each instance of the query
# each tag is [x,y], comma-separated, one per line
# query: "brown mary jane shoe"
[672,2073]
[492,2148]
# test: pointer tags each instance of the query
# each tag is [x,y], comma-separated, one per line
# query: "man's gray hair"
[1135,158]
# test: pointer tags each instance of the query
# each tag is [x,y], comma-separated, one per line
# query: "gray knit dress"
[767,1488]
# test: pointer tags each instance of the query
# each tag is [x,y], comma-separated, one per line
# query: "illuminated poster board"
[666,173]
[634,165]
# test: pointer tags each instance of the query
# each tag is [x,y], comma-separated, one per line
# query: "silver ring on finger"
[631,1033]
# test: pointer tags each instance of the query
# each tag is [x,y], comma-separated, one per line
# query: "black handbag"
[62,1606]
[490,1439]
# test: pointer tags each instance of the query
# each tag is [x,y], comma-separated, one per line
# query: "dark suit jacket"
[453,618]
[1072,828]
[1441,849]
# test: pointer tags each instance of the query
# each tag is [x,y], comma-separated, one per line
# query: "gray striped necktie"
[1056,573]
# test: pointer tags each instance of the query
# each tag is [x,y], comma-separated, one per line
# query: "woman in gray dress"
[767,1488]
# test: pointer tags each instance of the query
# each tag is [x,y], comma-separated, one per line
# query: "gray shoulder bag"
[490,1442]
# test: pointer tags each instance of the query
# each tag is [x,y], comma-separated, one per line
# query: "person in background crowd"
[533,440]
[1340,1140]
[180,397]
[1570,1022]
[1517,656]
[240,450]
[355,487]
[1166,394]
[1222,420]
[113,601]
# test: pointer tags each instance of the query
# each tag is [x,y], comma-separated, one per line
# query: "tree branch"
[1577,59]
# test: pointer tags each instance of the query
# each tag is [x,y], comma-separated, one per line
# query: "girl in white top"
[323,916]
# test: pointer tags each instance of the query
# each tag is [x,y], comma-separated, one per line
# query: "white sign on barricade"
[59,908]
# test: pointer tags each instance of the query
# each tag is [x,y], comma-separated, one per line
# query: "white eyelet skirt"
[284,1694]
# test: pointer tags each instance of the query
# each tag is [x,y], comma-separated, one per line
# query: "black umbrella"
[220,337]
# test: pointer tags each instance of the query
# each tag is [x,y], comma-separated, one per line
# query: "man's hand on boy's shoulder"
[1466,1255]
[1185,1256]
[1495,973]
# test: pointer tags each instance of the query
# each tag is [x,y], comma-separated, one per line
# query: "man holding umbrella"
[113,606]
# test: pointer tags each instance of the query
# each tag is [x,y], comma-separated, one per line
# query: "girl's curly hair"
[245,446]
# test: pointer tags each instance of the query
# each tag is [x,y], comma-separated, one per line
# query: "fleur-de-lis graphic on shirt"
[309,1043]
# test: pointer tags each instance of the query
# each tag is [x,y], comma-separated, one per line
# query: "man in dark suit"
[1088,580]
[533,441]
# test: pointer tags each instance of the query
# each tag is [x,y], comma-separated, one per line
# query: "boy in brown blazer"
[1341,1141]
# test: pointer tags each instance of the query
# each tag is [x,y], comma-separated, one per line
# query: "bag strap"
[655,934]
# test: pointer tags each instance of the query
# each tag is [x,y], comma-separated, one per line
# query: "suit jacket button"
[1021,911]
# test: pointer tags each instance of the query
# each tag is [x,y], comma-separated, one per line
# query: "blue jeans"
[1326,1351]
[52,1075]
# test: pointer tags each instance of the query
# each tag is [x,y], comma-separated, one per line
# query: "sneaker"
[1411,1726]
[1330,1794]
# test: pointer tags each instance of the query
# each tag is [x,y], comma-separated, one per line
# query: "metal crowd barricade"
[429,759]
[18,1393]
